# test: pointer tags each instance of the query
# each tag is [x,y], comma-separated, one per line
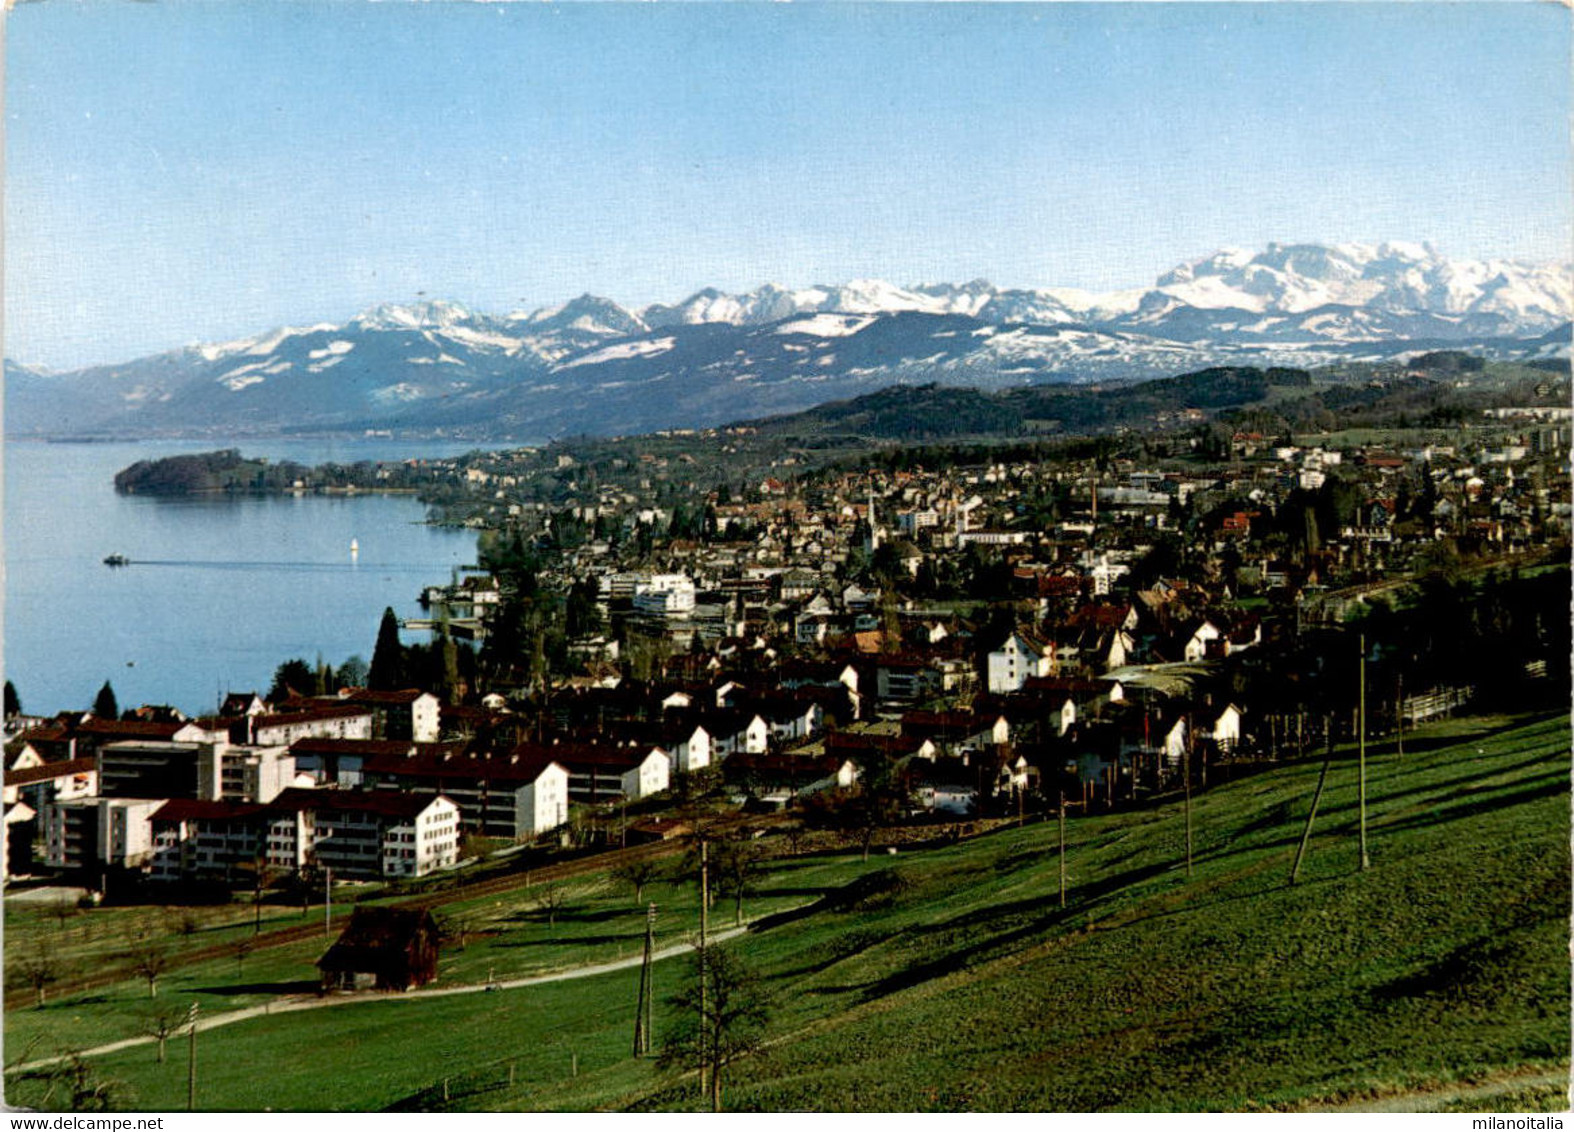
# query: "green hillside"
[949,978]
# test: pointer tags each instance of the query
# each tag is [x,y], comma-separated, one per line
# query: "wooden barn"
[382,948]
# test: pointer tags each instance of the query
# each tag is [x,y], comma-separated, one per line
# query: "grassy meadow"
[950,978]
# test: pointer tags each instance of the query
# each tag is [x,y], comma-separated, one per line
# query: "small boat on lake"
[117,560]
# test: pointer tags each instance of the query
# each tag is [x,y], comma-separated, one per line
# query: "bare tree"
[163,1023]
[241,948]
[550,898]
[721,1019]
[737,867]
[637,874]
[858,815]
[457,927]
[262,877]
[150,960]
[304,884]
[39,970]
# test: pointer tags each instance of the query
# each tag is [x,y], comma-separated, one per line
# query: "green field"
[1440,971]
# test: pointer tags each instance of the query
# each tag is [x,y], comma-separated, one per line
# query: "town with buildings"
[813,680]
[970,633]
[854,558]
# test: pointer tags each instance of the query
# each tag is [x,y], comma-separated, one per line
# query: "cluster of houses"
[361,784]
[378,784]
[810,630]
[1064,525]
[785,563]
[177,799]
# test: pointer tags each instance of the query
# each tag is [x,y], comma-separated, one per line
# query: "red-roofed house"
[954,730]
[779,778]
[603,774]
[331,721]
[95,734]
[408,714]
[863,747]
[40,745]
[520,795]
[239,704]
[370,833]
[341,762]
[1023,654]
[209,840]
[52,782]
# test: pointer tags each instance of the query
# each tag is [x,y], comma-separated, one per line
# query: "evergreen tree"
[451,680]
[323,683]
[387,673]
[292,678]
[582,616]
[104,704]
[13,704]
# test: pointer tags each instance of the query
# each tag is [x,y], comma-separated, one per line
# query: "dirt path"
[1434,1100]
[281,937]
[315,1002]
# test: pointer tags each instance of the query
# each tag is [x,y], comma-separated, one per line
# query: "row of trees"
[296,677]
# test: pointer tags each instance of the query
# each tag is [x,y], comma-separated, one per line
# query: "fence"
[1436,702]
[494,1077]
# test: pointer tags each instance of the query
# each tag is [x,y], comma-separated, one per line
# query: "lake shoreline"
[226,586]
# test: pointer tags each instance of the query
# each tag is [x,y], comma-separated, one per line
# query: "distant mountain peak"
[428,314]
[588,313]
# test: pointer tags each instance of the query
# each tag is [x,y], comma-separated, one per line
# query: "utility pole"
[1062,848]
[704,891]
[1317,796]
[327,885]
[1399,712]
[704,922]
[1366,862]
[191,1060]
[642,1010]
[1187,773]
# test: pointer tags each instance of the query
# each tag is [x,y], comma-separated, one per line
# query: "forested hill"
[199,472]
[228,472]
[1435,389]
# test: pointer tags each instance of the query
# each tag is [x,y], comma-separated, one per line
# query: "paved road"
[314,1002]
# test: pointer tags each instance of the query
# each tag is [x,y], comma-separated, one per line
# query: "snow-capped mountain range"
[591,365]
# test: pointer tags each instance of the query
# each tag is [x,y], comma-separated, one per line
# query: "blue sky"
[203,170]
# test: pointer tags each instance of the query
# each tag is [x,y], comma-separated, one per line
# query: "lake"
[219,592]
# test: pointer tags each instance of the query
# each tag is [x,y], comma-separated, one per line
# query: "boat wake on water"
[317,567]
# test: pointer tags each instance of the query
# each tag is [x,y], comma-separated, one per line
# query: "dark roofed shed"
[385,948]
